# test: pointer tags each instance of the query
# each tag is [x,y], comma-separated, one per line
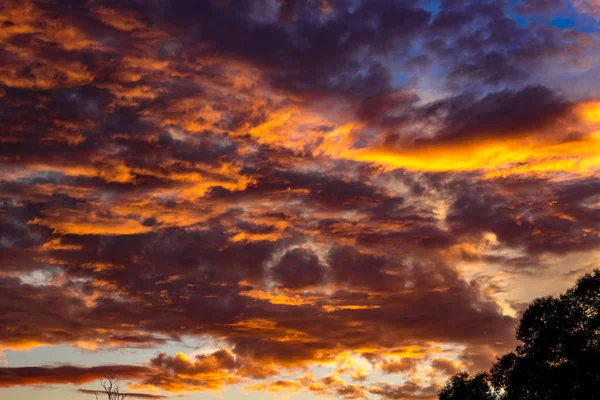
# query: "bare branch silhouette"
[111,388]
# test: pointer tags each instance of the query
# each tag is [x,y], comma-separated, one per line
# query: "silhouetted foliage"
[463,386]
[559,357]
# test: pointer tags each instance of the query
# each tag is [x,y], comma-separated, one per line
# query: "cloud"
[65,374]
[297,269]
[394,367]
[295,182]
[129,394]
[408,390]
[206,372]
[445,366]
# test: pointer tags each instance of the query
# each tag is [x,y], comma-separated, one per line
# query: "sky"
[287,199]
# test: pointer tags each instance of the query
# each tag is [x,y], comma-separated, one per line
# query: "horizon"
[299,199]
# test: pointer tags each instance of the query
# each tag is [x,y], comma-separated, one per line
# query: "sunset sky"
[297,199]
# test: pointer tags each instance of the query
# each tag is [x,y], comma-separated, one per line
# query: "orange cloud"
[118,19]
[79,223]
[496,157]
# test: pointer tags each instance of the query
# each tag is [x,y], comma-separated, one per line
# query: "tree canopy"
[559,357]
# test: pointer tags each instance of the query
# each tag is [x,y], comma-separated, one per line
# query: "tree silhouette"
[463,386]
[559,357]
[111,388]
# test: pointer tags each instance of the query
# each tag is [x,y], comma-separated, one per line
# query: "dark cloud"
[537,6]
[522,218]
[469,118]
[66,374]
[501,114]
[298,269]
[481,43]
[129,394]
